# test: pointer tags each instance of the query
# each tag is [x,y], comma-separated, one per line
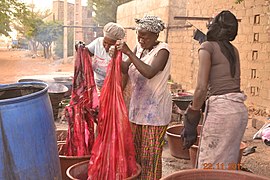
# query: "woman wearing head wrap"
[99,50]
[226,115]
[150,106]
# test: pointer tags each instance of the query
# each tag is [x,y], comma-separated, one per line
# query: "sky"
[47,4]
[41,5]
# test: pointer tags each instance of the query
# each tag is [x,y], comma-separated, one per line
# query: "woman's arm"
[202,79]
[125,64]
[148,71]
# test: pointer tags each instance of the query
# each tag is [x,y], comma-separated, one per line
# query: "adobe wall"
[253,40]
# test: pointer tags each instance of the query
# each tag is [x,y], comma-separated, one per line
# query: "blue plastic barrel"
[28,146]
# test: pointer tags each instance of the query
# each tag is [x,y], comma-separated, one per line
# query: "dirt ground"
[16,64]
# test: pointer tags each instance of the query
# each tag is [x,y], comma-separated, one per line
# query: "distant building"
[58,12]
[77,16]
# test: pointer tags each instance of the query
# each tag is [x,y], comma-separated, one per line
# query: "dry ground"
[16,64]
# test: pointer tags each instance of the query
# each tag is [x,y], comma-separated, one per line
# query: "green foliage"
[11,10]
[29,24]
[47,32]
[32,26]
[105,10]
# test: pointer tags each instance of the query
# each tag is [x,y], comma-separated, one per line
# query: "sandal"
[249,150]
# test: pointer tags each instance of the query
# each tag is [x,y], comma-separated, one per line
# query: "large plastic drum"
[28,146]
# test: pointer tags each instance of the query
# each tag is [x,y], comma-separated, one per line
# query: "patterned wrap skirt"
[149,141]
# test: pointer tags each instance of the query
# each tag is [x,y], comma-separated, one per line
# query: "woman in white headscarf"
[99,50]
[150,105]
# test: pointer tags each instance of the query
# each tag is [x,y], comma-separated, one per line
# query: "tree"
[105,10]
[10,10]
[48,32]
[29,24]
[29,28]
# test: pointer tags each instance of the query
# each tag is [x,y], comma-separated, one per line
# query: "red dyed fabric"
[113,153]
[80,112]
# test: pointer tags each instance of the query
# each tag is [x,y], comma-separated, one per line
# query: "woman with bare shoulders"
[148,68]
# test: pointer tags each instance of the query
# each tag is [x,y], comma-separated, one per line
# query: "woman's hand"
[189,133]
[112,52]
[79,43]
[123,47]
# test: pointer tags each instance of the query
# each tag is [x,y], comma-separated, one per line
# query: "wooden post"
[65,31]
[78,32]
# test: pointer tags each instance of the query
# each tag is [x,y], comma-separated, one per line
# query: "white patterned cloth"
[100,60]
[151,23]
[151,102]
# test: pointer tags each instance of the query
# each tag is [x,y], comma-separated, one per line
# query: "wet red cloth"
[113,153]
[79,113]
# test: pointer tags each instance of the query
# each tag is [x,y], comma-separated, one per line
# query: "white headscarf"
[113,31]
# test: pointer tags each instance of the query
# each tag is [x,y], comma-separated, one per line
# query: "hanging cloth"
[113,153]
[80,113]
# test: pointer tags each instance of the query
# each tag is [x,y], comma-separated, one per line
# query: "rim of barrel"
[29,80]
[43,85]
[201,172]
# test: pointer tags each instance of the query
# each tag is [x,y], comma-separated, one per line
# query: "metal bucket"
[28,148]
[182,102]
[56,93]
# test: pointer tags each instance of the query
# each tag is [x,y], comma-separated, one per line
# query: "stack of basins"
[56,93]
[175,141]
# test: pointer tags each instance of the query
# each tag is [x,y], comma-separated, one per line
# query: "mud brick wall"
[253,40]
